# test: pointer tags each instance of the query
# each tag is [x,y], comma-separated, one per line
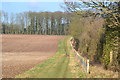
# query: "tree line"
[96,31]
[43,23]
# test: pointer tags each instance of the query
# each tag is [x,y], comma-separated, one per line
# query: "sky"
[18,7]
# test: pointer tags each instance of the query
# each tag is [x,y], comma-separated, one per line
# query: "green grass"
[54,67]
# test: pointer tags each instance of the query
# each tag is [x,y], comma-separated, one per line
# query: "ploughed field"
[22,52]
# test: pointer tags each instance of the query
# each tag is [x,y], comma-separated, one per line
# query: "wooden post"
[87,66]
[111,56]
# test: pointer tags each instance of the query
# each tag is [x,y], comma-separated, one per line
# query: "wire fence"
[83,61]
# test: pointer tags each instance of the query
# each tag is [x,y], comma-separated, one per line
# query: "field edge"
[57,62]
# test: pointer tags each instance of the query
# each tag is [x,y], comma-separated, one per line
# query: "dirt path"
[22,52]
[76,69]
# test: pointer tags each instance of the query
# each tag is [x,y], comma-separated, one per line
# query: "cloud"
[34,4]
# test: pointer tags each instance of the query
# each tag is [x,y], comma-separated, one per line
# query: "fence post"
[111,56]
[87,66]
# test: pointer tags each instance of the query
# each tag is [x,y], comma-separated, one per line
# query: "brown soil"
[22,52]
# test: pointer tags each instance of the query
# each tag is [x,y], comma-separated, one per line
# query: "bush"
[88,31]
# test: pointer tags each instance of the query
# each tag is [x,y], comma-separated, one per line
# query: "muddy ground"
[22,52]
